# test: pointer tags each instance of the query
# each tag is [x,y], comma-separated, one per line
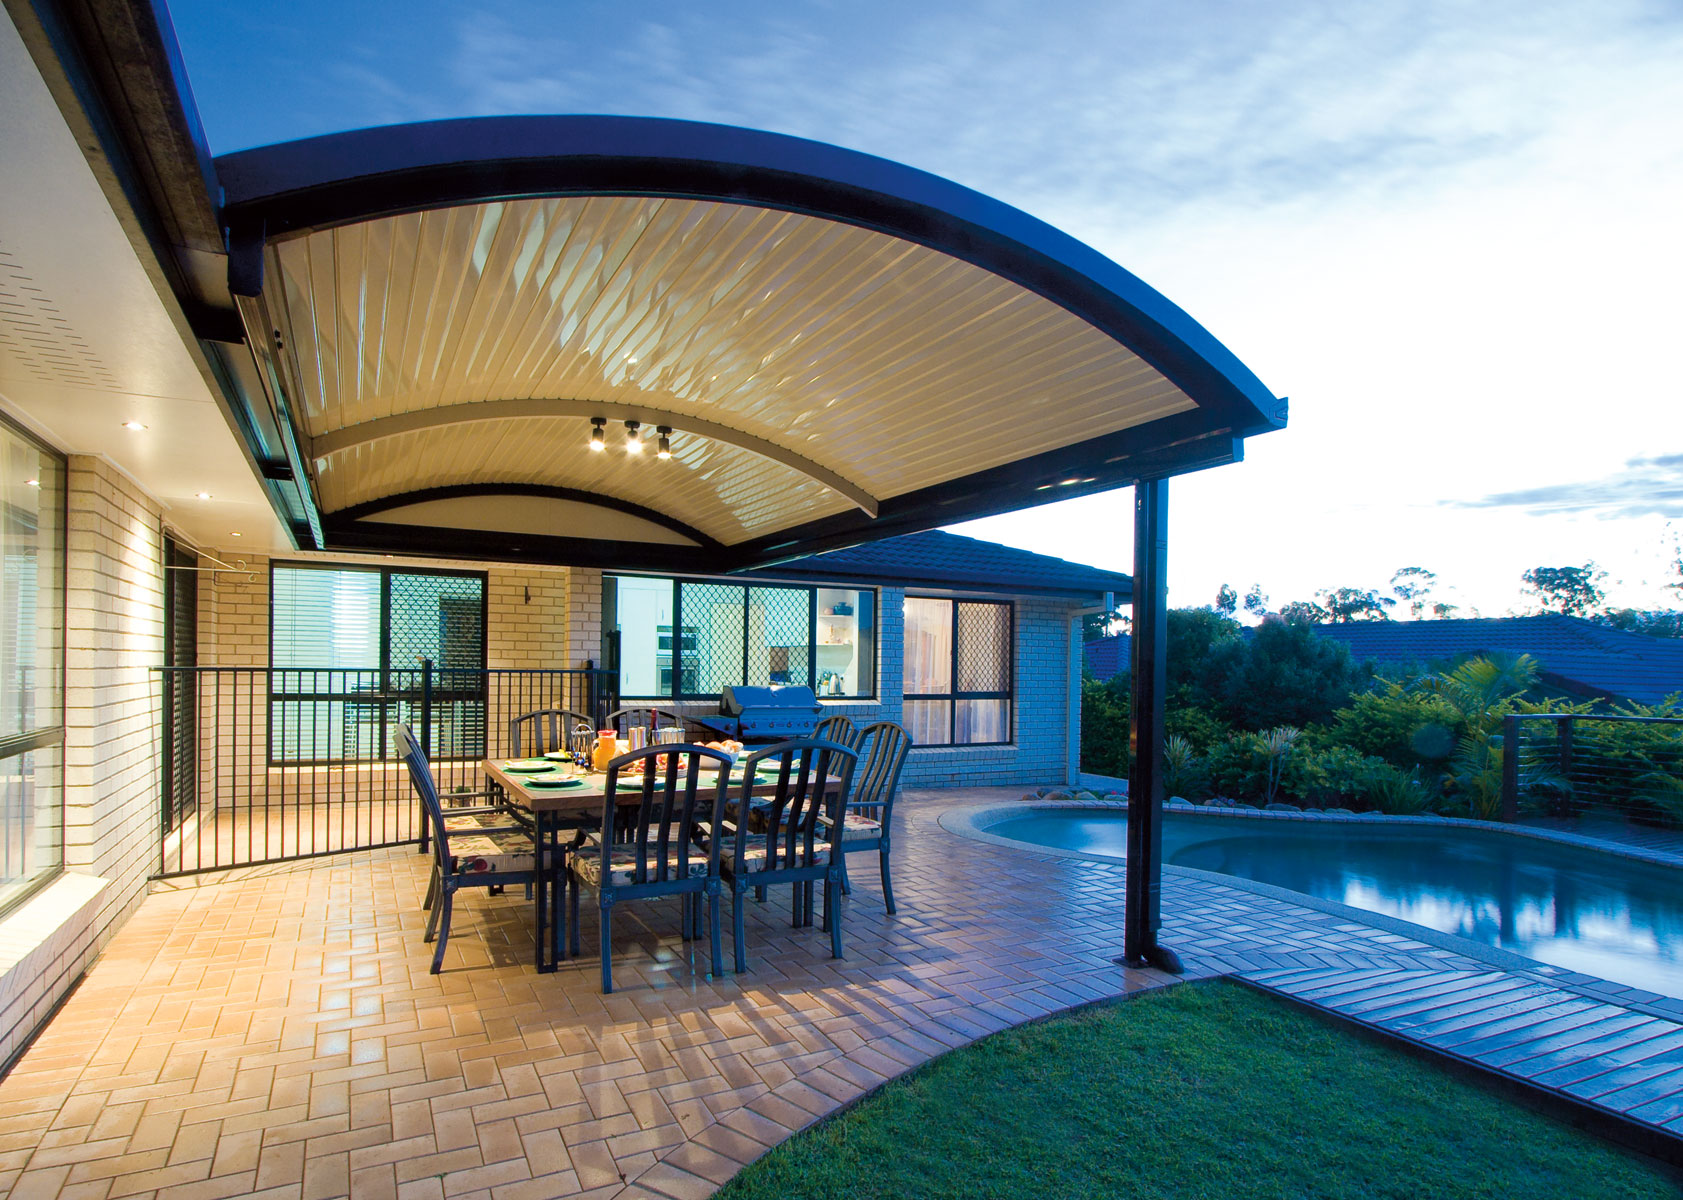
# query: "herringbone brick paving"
[276,1033]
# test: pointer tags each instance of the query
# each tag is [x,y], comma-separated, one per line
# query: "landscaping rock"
[1220,802]
[1030,796]
[1342,812]
[1044,791]
[1283,808]
[1086,797]
[1178,802]
[1116,797]
[1243,805]
[1057,796]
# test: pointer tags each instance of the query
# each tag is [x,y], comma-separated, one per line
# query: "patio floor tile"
[275,1030]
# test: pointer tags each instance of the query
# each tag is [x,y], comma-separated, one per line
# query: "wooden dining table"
[570,810]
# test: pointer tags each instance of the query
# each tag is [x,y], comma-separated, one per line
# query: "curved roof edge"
[292,187]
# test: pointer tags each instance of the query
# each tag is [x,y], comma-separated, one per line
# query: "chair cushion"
[856,827]
[754,857]
[478,853]
[471,822]
[622,865]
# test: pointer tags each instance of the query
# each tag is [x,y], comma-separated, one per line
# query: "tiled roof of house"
[939,559]
[1106,656]
[1576,654]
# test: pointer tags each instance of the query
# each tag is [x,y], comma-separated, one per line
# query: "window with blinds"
[347,647]
[958,687]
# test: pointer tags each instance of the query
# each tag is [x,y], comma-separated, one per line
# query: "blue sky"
[1448,232]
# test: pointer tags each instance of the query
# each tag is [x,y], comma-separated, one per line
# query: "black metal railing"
[1569,765]
[265,765]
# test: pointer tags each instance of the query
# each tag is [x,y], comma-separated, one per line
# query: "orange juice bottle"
[605,749]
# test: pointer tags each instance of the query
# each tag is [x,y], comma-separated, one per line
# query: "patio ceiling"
[843,348]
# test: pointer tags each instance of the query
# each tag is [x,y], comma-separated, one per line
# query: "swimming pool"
[1567,905]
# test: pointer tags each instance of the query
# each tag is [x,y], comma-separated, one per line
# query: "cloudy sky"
[1449,232]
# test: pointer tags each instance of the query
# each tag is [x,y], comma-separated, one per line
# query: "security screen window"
[689,639]
[958,671]
[347,646]
[32,493]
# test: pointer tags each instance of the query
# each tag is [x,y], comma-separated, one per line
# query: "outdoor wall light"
[597,437]
[665,450]
[633,437]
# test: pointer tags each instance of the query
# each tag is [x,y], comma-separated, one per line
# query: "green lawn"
[1201,1090]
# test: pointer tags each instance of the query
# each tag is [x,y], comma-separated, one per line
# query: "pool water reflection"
[1572,907]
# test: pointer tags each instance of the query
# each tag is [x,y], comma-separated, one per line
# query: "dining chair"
[653,852]
[536,733]
[838,728]
[866,823]
[778,838]
[488,856]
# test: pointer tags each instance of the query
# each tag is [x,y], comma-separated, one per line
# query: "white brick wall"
[114,637]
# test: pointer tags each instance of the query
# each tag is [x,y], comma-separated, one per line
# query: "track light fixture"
[665,450]
[633,437]
[598,440]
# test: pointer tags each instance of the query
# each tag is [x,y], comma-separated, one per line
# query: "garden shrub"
[1282,675]
[1405,728]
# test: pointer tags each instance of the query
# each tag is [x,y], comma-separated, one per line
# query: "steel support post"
[1149,649]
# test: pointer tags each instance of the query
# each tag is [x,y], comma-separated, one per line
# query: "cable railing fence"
[264,765]
[1569,765]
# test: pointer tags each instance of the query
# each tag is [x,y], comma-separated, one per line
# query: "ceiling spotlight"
[203,495]
[633,437]
[236,533]
[134,425]
[597,425]
[35,483]
[665,450]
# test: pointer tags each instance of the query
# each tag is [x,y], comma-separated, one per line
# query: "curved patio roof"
[842,347]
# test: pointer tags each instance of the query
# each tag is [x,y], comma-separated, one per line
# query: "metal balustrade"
[264,765]
[1569,765]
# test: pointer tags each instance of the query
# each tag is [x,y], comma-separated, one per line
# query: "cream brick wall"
[526,610]
[114,636]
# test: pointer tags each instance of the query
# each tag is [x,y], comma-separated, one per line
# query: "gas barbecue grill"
[767,714]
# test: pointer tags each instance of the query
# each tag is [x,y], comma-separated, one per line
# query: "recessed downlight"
[202,495]
[137,426]
[236,533]
[35,483]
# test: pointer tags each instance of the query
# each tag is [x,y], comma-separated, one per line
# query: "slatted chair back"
[622,719]
[545,729]
[838,728]
[792,832]
[655,843]
[420,774]
[883,746]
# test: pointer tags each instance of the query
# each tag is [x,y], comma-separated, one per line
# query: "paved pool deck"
[274,1031]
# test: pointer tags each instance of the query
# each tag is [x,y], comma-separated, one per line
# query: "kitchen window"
[685,639]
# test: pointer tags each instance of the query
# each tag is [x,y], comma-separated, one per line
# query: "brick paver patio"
[276,1032]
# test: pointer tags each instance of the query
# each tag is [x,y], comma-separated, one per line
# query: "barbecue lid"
[735,698]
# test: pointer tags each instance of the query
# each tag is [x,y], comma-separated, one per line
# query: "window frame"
[387,695]
[676,695]
[18,744]
[953,696]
